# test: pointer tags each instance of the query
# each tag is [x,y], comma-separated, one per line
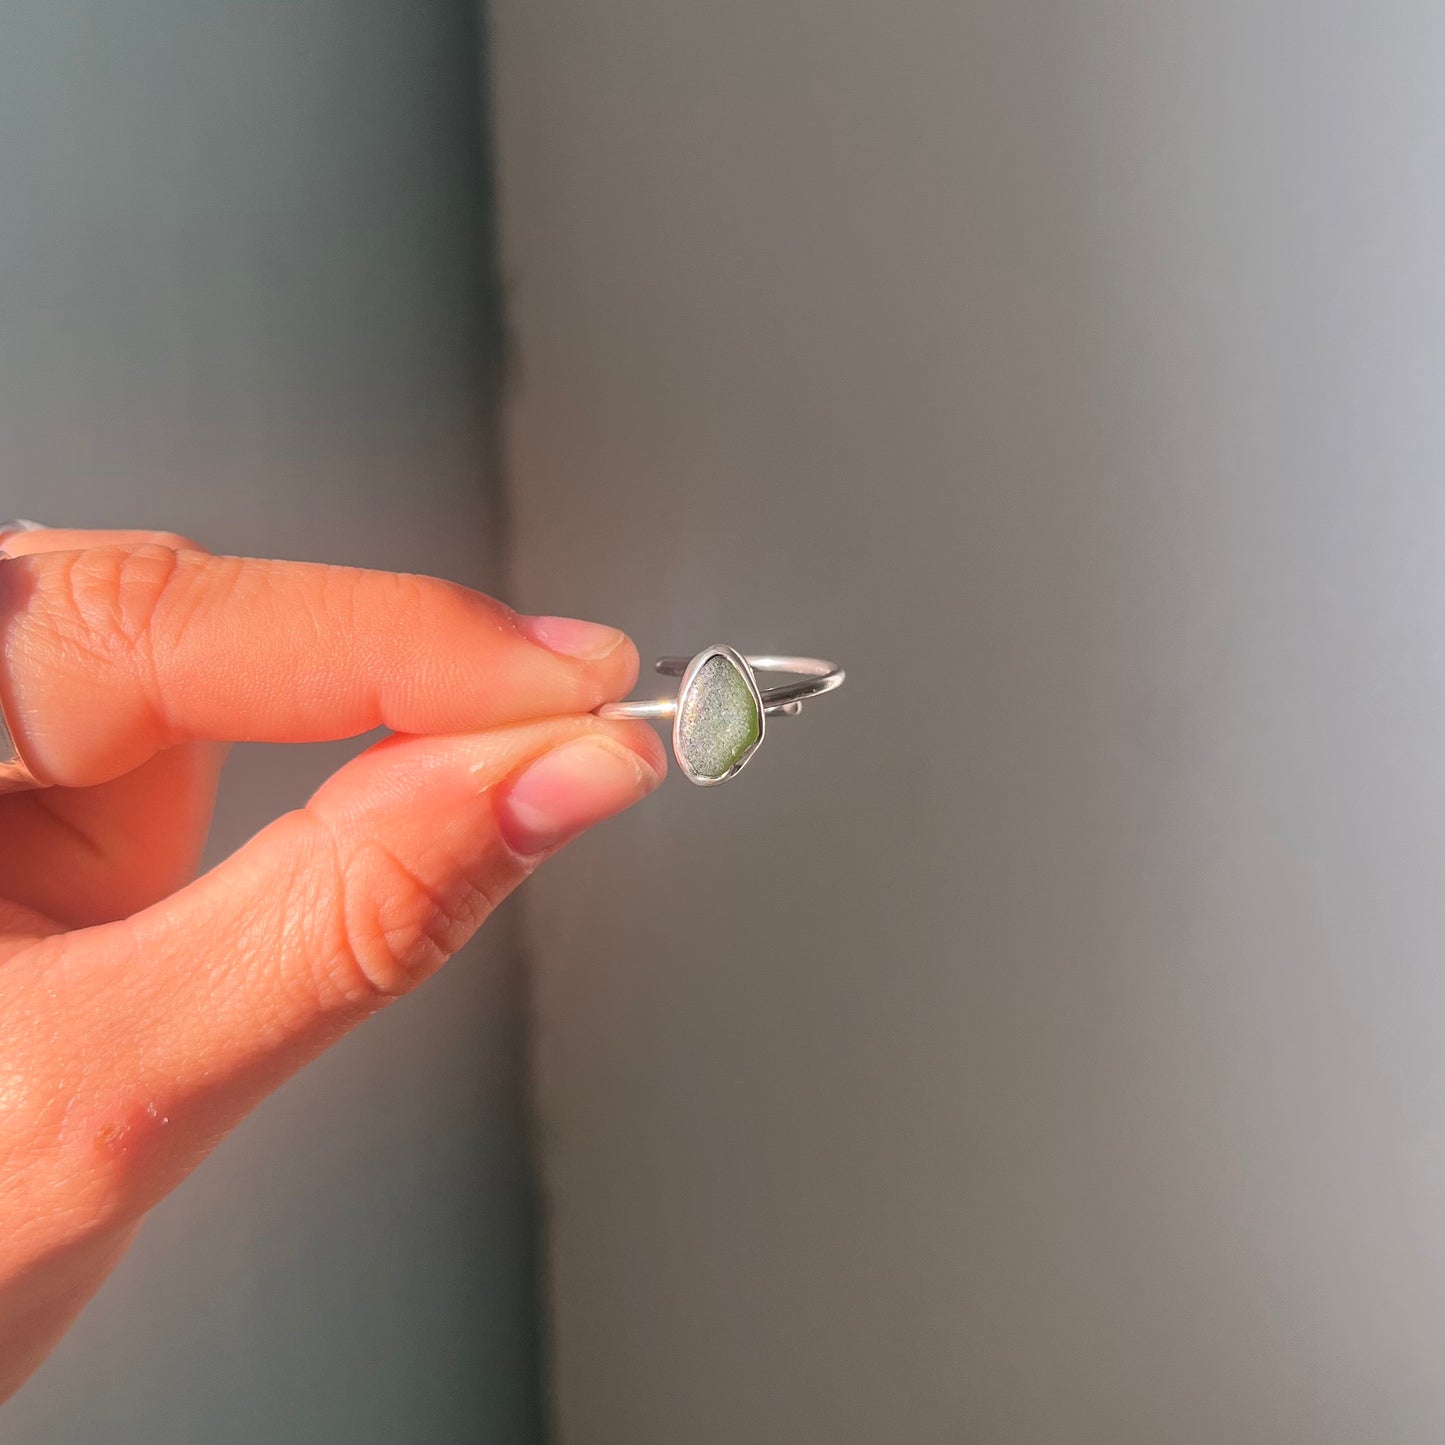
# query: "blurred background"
[1044,1040]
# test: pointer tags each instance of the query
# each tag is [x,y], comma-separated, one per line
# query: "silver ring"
[17,524]
[15,777]
[720,713]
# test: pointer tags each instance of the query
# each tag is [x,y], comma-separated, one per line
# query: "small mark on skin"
[109,1135]
[121,1135]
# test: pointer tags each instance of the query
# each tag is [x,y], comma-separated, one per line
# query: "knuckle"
[336,597]
[112,595]
[391,928]
[350,599]
[434,602]
[409,599]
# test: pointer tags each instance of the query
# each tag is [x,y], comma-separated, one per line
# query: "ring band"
[15,777]
[719,713]
[16,524]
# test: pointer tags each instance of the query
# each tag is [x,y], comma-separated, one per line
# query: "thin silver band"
[16,524]
[15,777]
[816,676]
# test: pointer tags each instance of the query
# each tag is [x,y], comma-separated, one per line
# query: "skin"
[143,1011]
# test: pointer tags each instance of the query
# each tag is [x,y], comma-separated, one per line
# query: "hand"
[142,1014]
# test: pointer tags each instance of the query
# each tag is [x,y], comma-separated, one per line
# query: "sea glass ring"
[720,711]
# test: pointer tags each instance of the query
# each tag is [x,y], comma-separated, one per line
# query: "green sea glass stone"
[718,720]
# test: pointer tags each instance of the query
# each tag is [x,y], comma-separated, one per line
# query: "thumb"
[161,1031]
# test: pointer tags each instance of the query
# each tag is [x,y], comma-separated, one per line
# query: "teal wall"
[245,293]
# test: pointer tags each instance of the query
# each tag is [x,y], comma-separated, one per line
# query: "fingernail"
[571,636]
[573,787]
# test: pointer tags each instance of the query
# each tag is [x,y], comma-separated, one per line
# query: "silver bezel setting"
[740,663]
[812,677]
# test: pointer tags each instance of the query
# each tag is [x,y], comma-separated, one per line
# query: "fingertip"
[628,665]
[572,636]
[569,789]
[642,739]
[608,655]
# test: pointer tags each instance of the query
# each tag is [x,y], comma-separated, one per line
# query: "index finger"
[113,653]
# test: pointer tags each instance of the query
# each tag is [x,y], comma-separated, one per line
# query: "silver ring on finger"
[15,775]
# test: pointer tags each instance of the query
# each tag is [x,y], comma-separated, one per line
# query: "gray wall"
[244,267]
[1044,1040]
